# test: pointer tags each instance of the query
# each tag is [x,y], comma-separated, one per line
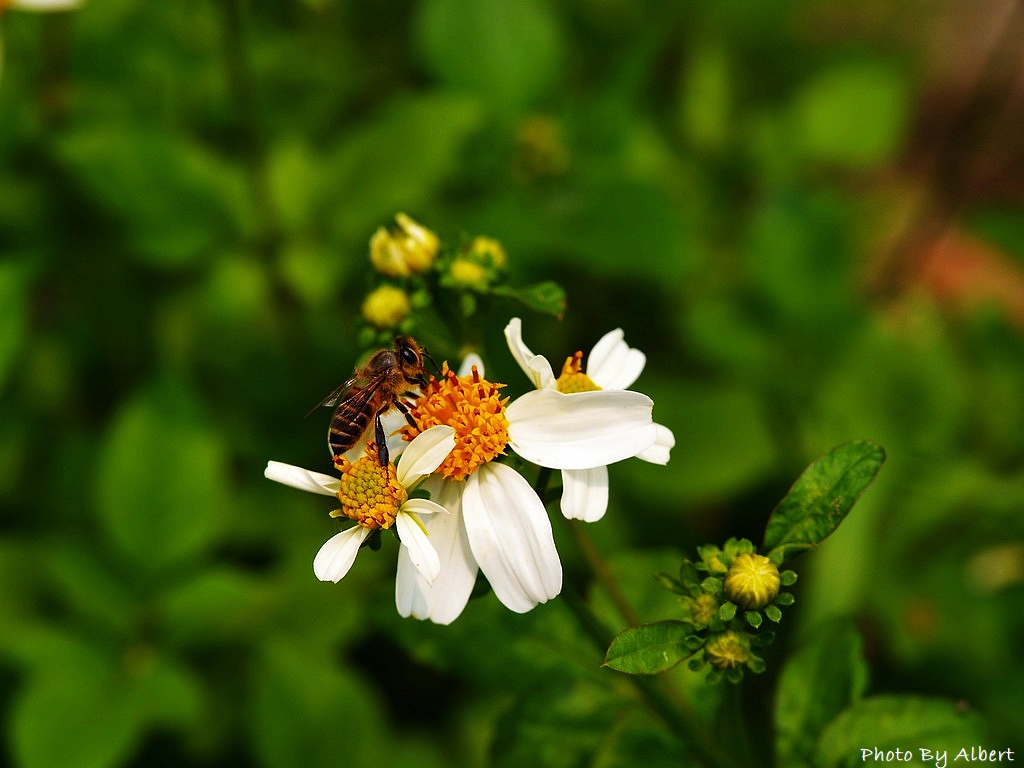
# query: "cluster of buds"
[726,595]
[411,262]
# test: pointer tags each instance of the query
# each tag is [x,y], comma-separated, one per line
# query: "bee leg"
[382,443]
[404,408]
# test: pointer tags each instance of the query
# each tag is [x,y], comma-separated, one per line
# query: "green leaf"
[821,497]
[393,163]
[88,586]
[547,297]
[81,710]
[478,46]
[161,488]
[819,681]
[302,697]
[175,196]
[650,648]
[853,115]
[218,605]
[898,722]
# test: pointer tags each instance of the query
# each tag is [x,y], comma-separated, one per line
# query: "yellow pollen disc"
[471,406]
[370,494]
[572,378]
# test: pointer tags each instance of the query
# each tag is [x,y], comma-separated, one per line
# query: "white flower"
[383,501]
[497,522]
[612,365]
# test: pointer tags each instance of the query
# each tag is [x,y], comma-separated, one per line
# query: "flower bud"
[489,252]
[752,581]
[386,307]
[728,650]
[467,274]
[411,248]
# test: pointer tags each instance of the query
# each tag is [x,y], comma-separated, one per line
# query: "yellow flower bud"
[728,650]
[421,244]
[703,608]
[411,248]
[488,251]
[468,274]
[752,581]
[386,306]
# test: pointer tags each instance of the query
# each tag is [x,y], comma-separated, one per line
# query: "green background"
[806,213]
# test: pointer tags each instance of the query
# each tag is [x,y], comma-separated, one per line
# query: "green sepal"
[773,613]
[754,618]
[727,611]
[734,675]
[712,585]
[695,665]
[785,598]
[821,498]
[787,578]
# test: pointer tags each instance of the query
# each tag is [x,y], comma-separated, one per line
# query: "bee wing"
[338,394]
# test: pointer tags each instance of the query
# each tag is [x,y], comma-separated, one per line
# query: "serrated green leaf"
[161,488]
[819,681]
[891,722]
[821,497]
[547,297]
[650,648]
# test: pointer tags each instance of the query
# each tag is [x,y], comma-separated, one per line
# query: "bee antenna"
[433,362]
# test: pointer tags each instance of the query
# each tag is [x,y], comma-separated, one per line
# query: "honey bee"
[371,392]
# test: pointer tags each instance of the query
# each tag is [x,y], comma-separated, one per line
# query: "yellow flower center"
[752,581]
[728,650]
[472,407]
[572,378]
[369,494]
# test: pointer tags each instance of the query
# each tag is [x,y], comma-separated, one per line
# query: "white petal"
[581,430]
[44,5]
[585,493]
[536,367]
[303,479]
[443,601]
[422,507]
[336,556]
[425,454]
[417,544]
[613,364]
[510,535]
[658,453]
[471,360]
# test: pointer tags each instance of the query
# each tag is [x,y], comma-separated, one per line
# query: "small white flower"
[497,522]
[611,366]
[377,497]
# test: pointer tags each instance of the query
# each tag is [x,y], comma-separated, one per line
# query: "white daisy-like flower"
[611,365]
[377,497]
[497,522]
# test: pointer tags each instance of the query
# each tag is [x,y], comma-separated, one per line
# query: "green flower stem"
[659,693]
[680,721]
[602,573]
[735,724]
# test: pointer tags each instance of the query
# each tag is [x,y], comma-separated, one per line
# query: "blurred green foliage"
[186,194]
